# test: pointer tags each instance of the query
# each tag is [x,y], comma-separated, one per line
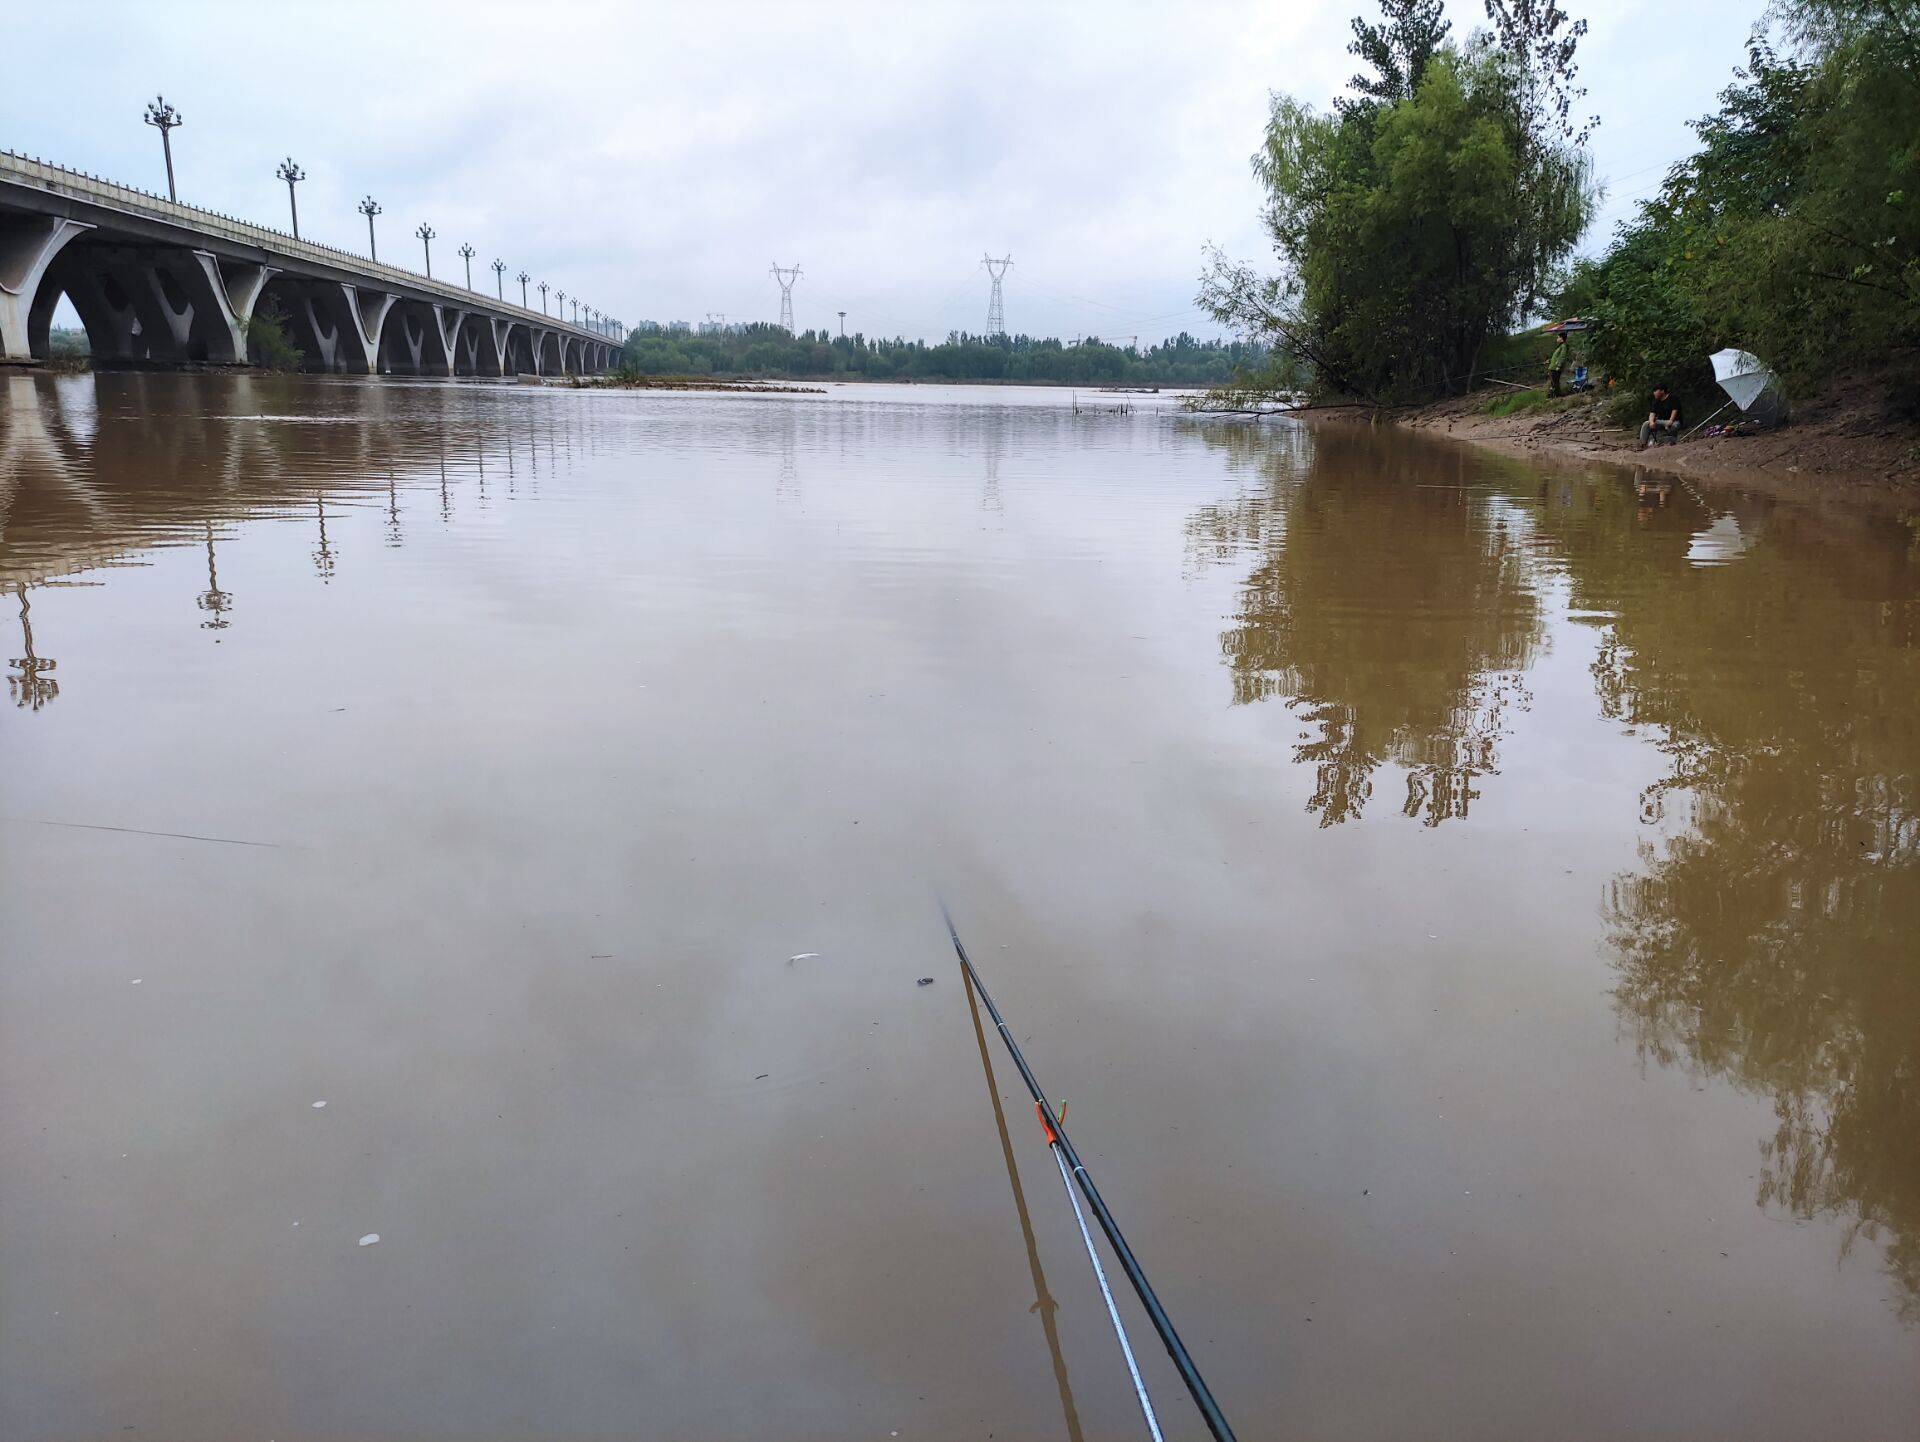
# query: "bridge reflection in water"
[88,483]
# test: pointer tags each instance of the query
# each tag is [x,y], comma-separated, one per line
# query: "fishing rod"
[1100,1276]
[1071,1166]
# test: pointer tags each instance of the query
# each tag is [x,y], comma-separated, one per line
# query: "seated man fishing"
[1663,421]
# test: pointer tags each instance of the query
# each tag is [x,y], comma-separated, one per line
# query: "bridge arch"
[521,359]
[337,328]
[475,353]
[139,304]
[411,342]
[546,352]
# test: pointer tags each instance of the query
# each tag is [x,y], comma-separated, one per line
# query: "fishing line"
[1113,1312]
[1163,1324]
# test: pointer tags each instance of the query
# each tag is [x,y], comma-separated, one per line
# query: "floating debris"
[803,956]
[924,981]
[369,1239]
[317,1105]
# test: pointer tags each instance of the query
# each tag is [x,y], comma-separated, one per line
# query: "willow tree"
[1422,218]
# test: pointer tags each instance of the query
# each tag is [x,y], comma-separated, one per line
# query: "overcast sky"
[656,159]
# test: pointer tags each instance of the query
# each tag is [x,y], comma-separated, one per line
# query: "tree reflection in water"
[1390,605]
[1770,935]
[1775,940]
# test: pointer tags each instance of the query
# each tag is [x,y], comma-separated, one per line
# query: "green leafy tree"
[1398,49]
[1794,230]
[269,345]
[1413,230]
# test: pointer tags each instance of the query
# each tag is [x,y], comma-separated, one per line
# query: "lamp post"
[426,234]
[560,299]
[576,310]
[523,278]
[292,174]
[163,117]
[370,207]
[467,253]
[542,287]
[499,282]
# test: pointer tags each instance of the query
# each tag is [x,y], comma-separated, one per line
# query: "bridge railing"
[61,180]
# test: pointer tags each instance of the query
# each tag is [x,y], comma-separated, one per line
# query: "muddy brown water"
[1471,909]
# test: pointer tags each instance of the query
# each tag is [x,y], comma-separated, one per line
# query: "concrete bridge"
[159,285]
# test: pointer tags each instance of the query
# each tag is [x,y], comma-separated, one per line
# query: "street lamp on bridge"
[292,174]
[370,207]
[163,117]
[560,299]
[467,253]
[542,288]
[499,281]
[426,234]
[523,278]
[576,310]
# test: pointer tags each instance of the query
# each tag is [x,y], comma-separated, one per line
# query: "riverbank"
[1849,443]
[619,382]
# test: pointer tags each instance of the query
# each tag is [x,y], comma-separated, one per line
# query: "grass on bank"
[1519,403]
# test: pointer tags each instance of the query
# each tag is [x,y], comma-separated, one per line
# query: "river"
[1471,909]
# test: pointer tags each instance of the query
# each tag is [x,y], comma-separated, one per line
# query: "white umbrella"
[1742,375]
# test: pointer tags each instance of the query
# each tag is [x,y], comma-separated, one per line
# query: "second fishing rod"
[1070,1159]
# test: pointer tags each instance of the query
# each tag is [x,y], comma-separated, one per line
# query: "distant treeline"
[767,350]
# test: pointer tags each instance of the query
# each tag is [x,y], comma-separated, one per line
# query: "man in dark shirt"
[1663,421]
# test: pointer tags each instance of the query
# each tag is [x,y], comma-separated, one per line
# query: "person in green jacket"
[1557,363]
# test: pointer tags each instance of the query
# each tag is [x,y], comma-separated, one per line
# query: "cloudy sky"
[656,159]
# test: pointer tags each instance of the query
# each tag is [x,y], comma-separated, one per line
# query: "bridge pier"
[367,312]
[228,293]
[28,246]
[446,321]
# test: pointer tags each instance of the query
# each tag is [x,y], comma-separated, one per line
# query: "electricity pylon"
[786,276]
[996,306]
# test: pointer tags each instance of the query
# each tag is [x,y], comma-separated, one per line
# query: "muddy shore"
[1849,450]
